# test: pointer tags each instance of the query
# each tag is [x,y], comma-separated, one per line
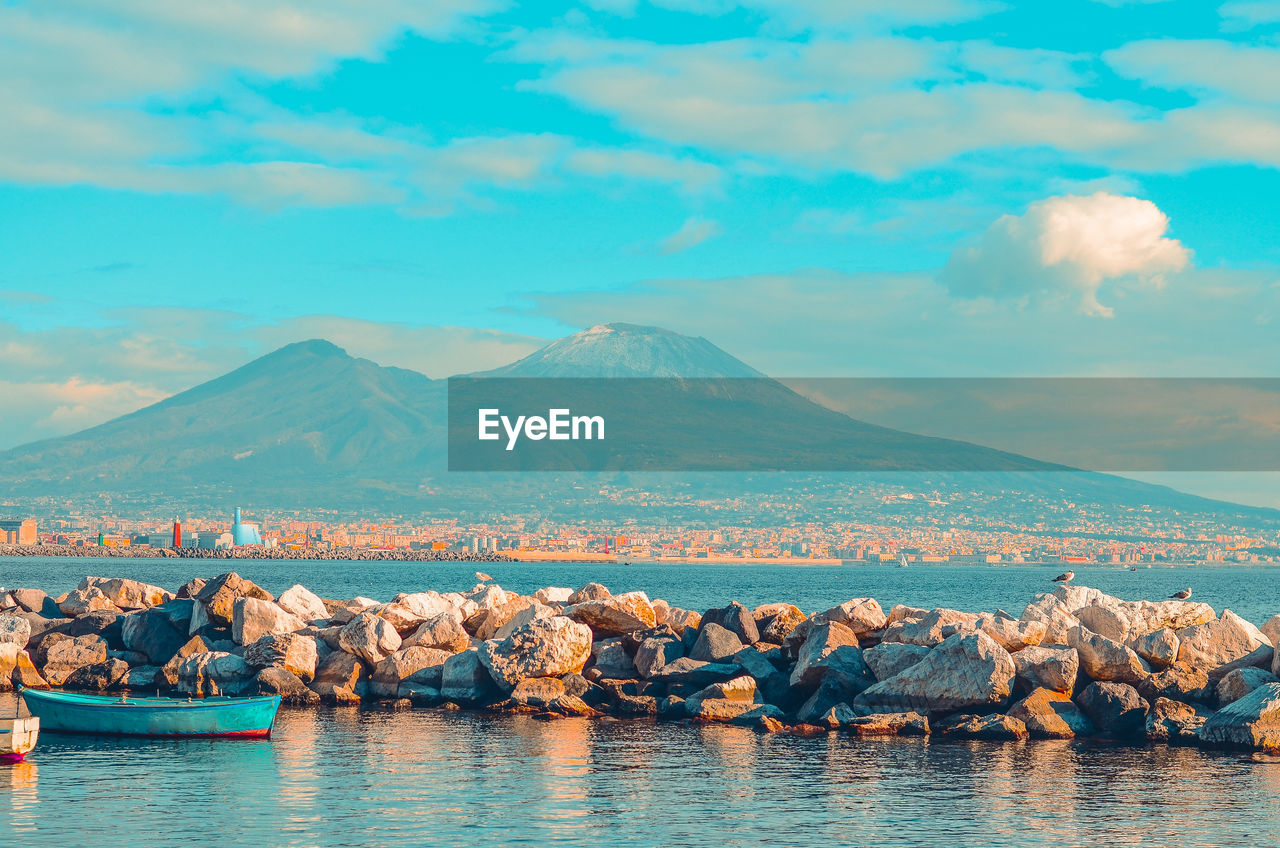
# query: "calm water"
[340,777]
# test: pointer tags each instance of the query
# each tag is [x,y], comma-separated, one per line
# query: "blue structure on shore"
[244,534]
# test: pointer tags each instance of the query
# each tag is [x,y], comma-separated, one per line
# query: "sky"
[820,187]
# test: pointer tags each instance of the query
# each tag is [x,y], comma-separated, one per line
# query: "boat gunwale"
[75,699]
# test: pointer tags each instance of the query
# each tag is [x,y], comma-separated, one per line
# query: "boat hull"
[17,737]
[67,712]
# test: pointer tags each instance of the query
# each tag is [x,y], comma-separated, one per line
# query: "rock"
[341,679]
[531,613]
[1251,722]
[963,672]
[996,727]
[548,647]
[432,672]
[34,600]
[1271,629]
[295,653]
[443,631]
[682,621]
[420,694]
[1104,659]
[889,658]
[935,627]
[1222,645]
[151,634]
[1116,709]
[343,612]
[775,622]
[538,691]
[368,637]
[214,673]
[430,604]
[902,612]
[614,616]
[144,678]
[1011,634]
[402,666]
[1159,647]
[1239,682]
[23,671]
[192,587]
[1051,668]
[695,672]
[830,692]
[1173,721]
[83,601]
[890,724]
[127,594]
[611,659]
[773,684]
[487,622]
[741,689]
[276,680]
[402,618]
[553,595]
[715,644]
[860,615]
[65,657]
[718,709]
[737,619]
[836,717]
[467,679]
[589,592]
[14,631]
[1105,621]
[644,705]
[218,597]
[763,717]
[252,618]
[8,664]
[98,677]
[1057,620]
[1051,715]
[1178,682]
[655,652]
[300,601]
[819,652]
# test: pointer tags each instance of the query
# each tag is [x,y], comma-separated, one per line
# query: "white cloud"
[692,233]
[1250,13]
[42,409]
[1208,67]
[1068,247]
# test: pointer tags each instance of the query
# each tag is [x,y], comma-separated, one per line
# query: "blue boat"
[70,712]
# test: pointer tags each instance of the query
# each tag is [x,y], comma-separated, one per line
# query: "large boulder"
[735,618]
[432,671]
[965,671]
[860,615]
[14,630]
[400,616]
[935,627]
[1056,618]
[465,678]
[890,658]
[293,652]
[35,600]
[993,726]
[1222,645]
[214,673]
[1251,722]
[82,601]
[430,604]
[127,594]
[775,622]
[1159,647]
[538,692]
[589,592]
[275,680]
[194,645]
[1109,621]
[252,618]
[300,601]
[828,644]
[1010,633]
[1178,682]
[685,670]
[535,611]
[610,659]
[1116,709]
[548,647]
[890,724]
[98,677]
[715,644]
[341,679]
[1051,668]
[616,615]
[443,631]
[64,657]
[1173,721]
[369,637]
[17,669]
[152,634]
[217,597]
[1239,682]
[655,652]
[404,665]
[558,595]
[1105,659]
[1051,715]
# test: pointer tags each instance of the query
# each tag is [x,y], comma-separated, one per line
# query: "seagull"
[1065,577]
[1183,595]
[482,577]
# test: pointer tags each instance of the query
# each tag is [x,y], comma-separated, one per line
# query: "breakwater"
[252,552]
[1075,662]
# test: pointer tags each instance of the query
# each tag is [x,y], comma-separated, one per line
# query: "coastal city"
[897,538]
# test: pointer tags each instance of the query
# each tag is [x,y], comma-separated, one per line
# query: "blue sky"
[821,187]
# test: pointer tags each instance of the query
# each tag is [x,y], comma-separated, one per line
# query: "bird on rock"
[482,577]
[1065,577]
[1183,595]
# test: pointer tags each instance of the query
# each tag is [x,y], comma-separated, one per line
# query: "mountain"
[311,428]
[627,350]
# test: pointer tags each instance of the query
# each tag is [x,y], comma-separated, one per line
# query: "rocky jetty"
[253,552]
[1077,662]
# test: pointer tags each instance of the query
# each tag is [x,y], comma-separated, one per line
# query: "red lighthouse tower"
[177,532]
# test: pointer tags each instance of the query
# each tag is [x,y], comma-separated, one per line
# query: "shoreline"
[1077,662]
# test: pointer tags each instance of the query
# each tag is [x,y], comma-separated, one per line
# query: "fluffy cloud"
[1250,13]
[692,233]
[1208,67]
[1068,247]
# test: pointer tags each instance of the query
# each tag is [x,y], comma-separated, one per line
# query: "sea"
[362,776]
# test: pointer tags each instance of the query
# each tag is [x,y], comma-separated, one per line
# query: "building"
[18,531]
[243,533]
